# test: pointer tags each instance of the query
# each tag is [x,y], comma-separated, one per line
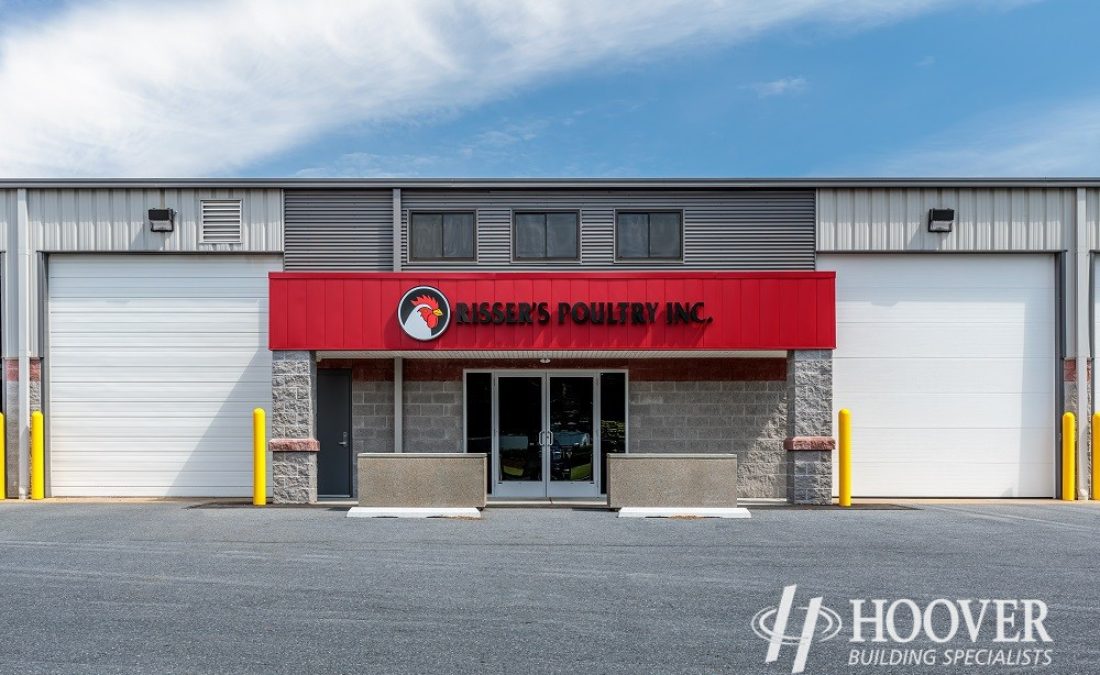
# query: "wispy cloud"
[784,85]
[1061,140]
[177,89]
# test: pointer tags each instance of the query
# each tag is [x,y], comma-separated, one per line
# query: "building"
[547,323]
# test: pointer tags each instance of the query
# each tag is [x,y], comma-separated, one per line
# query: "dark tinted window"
[641,236]
[546,235]
[479,415]
[612,419]
[441,236]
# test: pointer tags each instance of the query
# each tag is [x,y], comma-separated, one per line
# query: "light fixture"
[161,220]
[941,220]
[544,360]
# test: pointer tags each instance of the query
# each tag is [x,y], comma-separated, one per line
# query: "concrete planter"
[422,480]
[672,481]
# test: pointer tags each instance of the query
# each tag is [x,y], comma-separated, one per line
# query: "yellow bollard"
[1069,466]
[38,457]
[1096,456]
[845,456]
[3,459]
[259,458]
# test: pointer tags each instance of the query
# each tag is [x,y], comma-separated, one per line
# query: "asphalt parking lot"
[165,587]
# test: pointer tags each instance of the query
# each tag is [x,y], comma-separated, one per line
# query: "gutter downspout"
[22,333]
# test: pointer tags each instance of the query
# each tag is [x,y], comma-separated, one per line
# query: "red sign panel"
[348,311]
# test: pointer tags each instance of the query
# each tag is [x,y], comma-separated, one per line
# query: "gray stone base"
[810,477]
[294,477]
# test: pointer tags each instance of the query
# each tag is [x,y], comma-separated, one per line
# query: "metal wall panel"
[7,216]
[1092,218]
[723,229]
[115,220]
[339,229]
[896,219]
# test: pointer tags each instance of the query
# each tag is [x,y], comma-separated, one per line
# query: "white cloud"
[1061,140]
[785,85]
[207,87]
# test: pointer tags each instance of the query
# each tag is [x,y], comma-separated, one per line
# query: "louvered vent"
[221,221]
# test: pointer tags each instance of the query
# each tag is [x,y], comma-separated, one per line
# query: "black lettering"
[563,311]
[580,313]
[682,314]
[651,309]
[599,313]
[637,313]
[462,313]
[670,318]
[510,313]
[498,313]
[697,313]
[543,313]
[623,308]
[483,313]
[525,312]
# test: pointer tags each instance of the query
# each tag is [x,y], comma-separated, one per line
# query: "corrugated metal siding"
[986,219]
[8,216]
[1092,218]
[115,220]
[723,229]
[339,230]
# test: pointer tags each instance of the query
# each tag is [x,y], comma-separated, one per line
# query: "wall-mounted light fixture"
[162,220]
[544,360]
[941,220]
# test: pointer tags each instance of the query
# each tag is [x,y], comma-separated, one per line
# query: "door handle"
[344,442]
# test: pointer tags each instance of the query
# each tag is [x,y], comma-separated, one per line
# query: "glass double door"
[544,435]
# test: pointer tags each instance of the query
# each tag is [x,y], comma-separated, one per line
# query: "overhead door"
[948,365]
[155,364]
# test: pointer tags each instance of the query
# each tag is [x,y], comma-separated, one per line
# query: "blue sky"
[551,88]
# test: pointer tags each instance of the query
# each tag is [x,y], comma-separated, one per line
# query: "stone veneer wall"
[747,418]
[293,427]
[810,441]
[12,428]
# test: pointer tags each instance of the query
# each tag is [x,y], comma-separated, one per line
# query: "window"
[441,236]
[545,236]
[649,236]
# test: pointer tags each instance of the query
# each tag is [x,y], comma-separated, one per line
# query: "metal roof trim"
[543,183]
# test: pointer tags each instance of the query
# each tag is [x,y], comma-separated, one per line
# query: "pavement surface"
[170,588]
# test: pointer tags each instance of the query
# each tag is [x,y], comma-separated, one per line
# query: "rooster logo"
[424,313]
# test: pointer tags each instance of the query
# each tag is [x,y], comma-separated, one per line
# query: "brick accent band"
[809,443]
[294,445]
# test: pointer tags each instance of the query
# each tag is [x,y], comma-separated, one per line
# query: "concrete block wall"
[371,414]
[747,418]
[433,416]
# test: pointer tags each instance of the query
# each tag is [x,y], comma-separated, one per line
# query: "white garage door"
[155,364]
[947,363]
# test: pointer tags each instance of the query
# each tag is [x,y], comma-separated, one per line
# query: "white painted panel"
[948,365]
[155,365]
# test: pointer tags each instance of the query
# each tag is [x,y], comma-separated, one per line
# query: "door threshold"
[548,503]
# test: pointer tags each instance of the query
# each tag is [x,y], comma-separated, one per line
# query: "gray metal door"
[335,460]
